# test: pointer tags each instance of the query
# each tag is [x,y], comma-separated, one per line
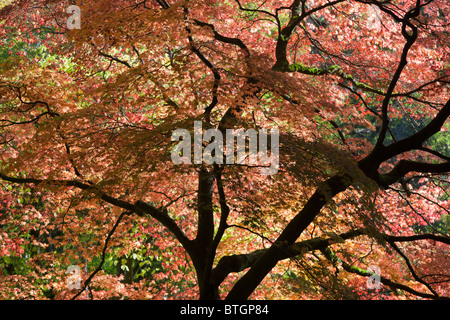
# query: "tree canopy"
[92,91]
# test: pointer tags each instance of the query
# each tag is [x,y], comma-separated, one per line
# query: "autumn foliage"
[358,90]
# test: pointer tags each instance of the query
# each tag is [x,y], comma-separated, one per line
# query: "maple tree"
[358,90]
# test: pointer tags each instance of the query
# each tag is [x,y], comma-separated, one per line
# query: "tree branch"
[72,183]
[282,63]
[140,208]
[208,64]
[373,160]
[330,255]
[238,263]
[410,39]
[235,41]
[102,261]
[405,166]
[224,208]
[160,214]
[411,269]
[106,55]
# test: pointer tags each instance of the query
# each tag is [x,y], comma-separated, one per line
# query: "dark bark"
[245,286]
[201,253]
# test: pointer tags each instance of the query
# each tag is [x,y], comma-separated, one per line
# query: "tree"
[357,90]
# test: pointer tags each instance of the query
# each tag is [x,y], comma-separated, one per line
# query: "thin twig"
[99,267]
